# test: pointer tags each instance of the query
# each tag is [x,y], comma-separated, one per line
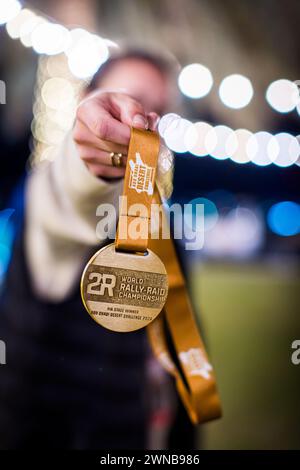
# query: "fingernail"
[140,121]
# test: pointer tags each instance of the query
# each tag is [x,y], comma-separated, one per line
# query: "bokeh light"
[289,149]
[86,53]
[9,9]
[56,97]
[216,141]
[165,122]
[50,39]
[284,218]
[13,27]
[28,27]
[298,160]
[175,133]
[195,80]
[6,239]
[246,226]
[236,91]
[262,148]
[195,138]
[63,119]
[57,93]
[210,213]
[282,95]
[236,145]
[238,234]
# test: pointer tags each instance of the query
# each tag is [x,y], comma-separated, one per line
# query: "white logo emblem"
[141,176]
[196,362]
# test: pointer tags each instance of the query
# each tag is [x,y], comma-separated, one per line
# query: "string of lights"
[221,142]
[69,58]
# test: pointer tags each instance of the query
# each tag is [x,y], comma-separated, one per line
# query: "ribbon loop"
[139,183]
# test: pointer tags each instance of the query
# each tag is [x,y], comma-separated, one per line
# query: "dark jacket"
[68,383]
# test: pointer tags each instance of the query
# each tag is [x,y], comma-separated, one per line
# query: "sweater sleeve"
[61,220]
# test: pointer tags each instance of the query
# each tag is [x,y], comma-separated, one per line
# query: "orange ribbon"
[194,376]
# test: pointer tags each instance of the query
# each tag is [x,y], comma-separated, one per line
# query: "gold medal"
[124,291]
[124,286]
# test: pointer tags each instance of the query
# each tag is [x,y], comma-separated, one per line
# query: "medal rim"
[82,292]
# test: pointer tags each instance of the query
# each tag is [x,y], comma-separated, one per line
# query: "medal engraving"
[124,291]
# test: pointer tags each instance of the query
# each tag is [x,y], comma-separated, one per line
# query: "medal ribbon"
[195,382]
[194,378]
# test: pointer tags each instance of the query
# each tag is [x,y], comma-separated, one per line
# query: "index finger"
[102,124]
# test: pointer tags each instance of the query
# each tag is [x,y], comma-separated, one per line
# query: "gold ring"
[116,159]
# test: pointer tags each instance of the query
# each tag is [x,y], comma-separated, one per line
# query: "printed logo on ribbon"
[141,176]
[196,362]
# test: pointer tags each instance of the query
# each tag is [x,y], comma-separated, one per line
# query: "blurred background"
[236,134]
